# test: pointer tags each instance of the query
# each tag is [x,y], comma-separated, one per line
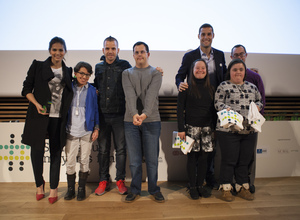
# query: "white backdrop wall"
[278,154]
[280,72]
[263,26]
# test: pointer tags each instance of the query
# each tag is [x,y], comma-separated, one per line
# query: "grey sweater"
[141,87]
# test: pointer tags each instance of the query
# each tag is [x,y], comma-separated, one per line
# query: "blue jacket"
[91,109]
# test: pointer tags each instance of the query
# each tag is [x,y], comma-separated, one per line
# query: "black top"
[198,112]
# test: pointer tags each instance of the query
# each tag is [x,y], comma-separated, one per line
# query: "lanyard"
[77,104]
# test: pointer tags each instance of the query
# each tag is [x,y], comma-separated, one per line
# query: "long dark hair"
[192,81]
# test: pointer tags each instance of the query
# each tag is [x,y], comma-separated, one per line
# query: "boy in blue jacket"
[82,129]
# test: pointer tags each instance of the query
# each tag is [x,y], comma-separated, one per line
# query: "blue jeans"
[115,126]
[142,141]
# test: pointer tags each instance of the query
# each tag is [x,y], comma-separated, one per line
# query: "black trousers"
[237,151]
[37,155]
[196,167]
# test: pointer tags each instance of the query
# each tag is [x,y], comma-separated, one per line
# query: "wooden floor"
[275,198]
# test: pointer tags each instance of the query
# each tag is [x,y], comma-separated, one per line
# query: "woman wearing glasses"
[49,91]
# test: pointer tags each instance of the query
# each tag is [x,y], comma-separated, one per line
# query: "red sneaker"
[103,185]
[121,187]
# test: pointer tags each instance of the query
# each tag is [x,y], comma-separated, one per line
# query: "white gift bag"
[255,119]
[176,140]
[230,118]
[185,146]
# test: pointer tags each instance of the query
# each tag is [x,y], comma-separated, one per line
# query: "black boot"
[203,192]
[81,185]
[71,187]
[193,192]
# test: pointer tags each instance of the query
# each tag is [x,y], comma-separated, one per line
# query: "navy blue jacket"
[193,55]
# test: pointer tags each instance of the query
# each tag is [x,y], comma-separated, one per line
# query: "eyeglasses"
[237,55]
[83,74]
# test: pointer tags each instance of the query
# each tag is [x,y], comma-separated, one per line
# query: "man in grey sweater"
[141,85]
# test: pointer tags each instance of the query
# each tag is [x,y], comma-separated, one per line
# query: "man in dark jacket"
[214,58]
[111,101]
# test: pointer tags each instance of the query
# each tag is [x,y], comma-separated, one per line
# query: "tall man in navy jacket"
[214,58]
[216,68]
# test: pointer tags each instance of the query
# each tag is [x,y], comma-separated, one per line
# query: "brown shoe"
[245,194]
[227,196]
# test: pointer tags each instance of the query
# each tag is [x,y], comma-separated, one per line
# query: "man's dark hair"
[206,25]
[141,43]
[236,46]
[110,38]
